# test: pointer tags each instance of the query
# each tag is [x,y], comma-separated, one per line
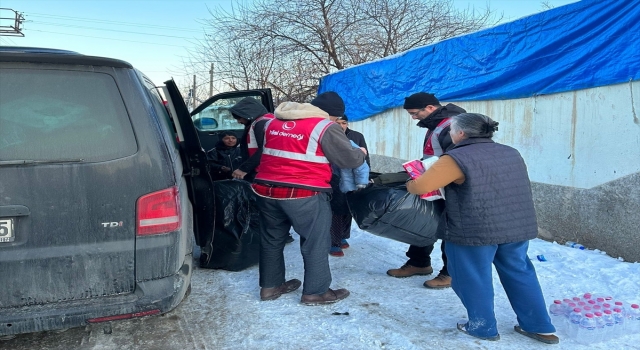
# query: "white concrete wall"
[579,139]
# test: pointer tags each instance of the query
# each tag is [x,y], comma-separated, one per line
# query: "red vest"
[432,146]
[292,155]
[251,138]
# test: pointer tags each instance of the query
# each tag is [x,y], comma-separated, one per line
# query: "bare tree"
[288,45]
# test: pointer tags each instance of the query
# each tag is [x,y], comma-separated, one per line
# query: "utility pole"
[211,81]
[10,26]
[193,95]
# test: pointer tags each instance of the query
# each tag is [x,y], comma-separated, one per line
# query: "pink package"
[415,168]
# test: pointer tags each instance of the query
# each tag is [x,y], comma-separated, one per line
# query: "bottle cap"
[598,313]
[577,310]
[591,301]
[617,310]
[590,315]
[557,302]
[635,306]
[607,311]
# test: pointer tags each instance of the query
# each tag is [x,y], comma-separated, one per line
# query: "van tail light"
[158,212]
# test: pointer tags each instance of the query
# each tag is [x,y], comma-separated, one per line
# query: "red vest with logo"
[251,138]
[292,155]
[432,146]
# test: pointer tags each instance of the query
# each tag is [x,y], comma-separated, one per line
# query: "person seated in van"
[225,157]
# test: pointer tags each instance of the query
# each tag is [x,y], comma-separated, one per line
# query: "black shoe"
[289,239]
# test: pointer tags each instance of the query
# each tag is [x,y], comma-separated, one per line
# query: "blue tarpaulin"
[581,45]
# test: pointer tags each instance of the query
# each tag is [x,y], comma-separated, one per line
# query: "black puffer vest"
[494,204]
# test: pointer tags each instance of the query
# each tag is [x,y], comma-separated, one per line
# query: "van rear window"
[57,114]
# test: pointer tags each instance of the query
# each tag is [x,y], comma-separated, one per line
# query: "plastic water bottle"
[618,317]
[557,312]
[633,319]
[587,330]
[609,324]
[600,325]
[620,305]
[574,323]
[574,245]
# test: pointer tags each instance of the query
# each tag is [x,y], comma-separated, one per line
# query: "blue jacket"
[350,179]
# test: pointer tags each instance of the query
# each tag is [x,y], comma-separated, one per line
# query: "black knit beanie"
[420,100]
[330,102]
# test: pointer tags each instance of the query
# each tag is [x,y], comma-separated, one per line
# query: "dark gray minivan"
[103,187]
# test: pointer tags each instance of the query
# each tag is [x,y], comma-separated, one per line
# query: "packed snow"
[224,310]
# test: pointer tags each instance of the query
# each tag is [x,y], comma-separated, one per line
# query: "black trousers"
[421,257]
[340,228]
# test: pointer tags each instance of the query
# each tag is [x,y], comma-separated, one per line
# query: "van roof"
[46,55]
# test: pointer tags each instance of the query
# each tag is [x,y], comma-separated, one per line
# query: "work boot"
[344,244]
[407,271]
[329,297]
[440,282]
[275,292]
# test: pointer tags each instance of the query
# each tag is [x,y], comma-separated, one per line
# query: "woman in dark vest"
[489,219]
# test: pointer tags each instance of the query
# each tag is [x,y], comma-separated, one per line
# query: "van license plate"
[6,230]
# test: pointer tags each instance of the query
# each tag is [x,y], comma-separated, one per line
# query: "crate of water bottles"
[592,318]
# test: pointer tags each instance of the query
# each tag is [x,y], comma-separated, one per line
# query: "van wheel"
[186,295]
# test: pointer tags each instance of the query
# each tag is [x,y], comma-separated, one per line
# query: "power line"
[95,20]
[97,37]
[109,30]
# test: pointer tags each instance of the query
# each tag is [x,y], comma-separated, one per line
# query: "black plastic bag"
[392,212]
[235,244]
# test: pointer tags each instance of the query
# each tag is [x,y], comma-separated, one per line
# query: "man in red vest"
[294,190]
[426,108]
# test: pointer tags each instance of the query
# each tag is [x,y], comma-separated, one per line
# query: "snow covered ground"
[224,310]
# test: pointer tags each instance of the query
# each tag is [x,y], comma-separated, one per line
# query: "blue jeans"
[470,270]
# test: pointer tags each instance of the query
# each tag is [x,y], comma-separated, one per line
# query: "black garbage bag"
[392,212]
[235,244]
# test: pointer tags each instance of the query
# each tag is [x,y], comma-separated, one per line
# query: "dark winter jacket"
[494,204]
[250,108]
[432,121]
[220,156]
